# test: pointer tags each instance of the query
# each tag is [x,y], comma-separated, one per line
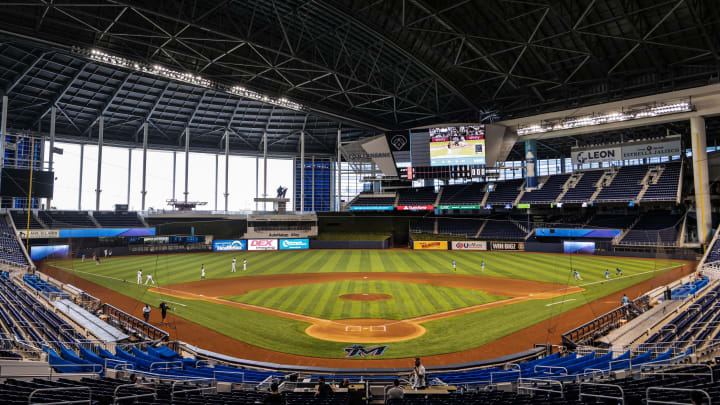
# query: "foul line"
[632,275]
[559,302]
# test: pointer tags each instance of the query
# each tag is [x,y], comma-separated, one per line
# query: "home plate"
[365,277]
[365,294]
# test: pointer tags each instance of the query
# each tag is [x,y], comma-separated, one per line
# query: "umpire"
[163,311]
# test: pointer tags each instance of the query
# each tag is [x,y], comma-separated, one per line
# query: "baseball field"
[317,303]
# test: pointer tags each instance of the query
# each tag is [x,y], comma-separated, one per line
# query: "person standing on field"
[163,311]
[146,313]
[202,272]
[232,270]
[454,265]
[139,278]
[244,264]
[482,266]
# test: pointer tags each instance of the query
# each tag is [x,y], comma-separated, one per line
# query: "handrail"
[550,368]
[537,381]
[119,363]
[211,381]
[492,374]
[629,361]
[649,401]
[116,398]
[206,362]
[593,372]
[89,400]
[167,365]
[242,374]
[709,374]
[621,397]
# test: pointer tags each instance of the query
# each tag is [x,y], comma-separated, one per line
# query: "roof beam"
[107,104]
[24,73]
[60,95]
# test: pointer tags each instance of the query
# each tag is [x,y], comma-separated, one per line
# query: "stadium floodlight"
[185,77]
[647,111]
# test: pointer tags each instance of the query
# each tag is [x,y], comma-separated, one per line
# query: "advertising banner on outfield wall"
[430,245]
[650,150]
[469,245]
[229,245]
[39,233]
[507,245]
[262,244]
[294,244]
[415,207]
[581,156]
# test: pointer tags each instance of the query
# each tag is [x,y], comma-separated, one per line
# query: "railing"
[63,389]
[165,365]
[550,368]
[619,388]
[665,401]
[212,386]
[153,394]
[131,322]
[600,324]
[691,373]
[534,384]
[242,375]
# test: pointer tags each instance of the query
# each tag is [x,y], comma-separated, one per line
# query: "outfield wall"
[350,244]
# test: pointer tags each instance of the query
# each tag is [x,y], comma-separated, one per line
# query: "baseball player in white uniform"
[233,265]
[149,279]
[139,278]
[202,272]
[244,264]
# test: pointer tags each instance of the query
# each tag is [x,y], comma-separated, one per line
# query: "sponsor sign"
[371,208]
[262,244]
[507,246]
[229,245]
[459,207]
[399,141]
[523,205]
[596,155]
[649,150]
[469,245]
[39,233]
[577,233]
[430,245]
[294,244]
[415,207]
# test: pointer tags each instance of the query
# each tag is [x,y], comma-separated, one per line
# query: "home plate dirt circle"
[365,330]
[365,297]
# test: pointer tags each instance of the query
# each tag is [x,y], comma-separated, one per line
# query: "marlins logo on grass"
[361,351]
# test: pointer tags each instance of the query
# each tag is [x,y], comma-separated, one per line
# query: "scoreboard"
[442,172]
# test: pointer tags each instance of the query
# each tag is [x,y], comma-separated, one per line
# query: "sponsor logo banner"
[648,150]
[459,207]
[596,155]
[577,233]
[399,141]
[362,351]
[262,244]
[507,246]
[39,233]
[371,208]
[430,245]
[469,245]
[294,244]
[415,207]
[228,245]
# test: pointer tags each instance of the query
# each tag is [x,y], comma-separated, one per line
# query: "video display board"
[579,247]
[463,145]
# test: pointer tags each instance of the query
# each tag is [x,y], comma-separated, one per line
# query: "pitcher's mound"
[365,297]
[365,330]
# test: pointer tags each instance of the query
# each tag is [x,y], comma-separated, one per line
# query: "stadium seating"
[369,200]
[657,228]
[666,187]
[585,187]
[110,219]
[714,252]
[469,194]
[43,287]
[424,225]
[625,186]
[10,250]
[611,221]
[66,219]
[502,228]
[21,220]
[549,192]
[459,227]
[417,196]
[505,192]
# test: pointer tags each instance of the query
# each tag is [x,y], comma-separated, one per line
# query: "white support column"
[227,167]
[217,159]
[143,192]
[302,171]
[700,178]
[101,127]
[53,116]
[265,169]
[3,129]
[338,207]
[174,172]
[187,162]
[82,161]
[129,176]
[257,182]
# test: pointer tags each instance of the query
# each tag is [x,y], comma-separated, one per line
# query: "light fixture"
[186,77]
[635,113]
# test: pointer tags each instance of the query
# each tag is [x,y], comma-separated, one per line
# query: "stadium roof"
[365,65]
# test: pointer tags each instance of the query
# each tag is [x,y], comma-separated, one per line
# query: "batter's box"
[353,328]
[378,328]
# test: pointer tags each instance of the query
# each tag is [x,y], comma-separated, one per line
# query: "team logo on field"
[362,351]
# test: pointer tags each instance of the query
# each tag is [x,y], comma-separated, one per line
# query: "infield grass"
[446,335]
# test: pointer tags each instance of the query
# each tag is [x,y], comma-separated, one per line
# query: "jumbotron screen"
[463,145]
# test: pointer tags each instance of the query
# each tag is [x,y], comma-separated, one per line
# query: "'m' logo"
[580,157]
[361,351]
[398,142]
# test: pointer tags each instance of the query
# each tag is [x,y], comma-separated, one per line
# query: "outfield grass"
[443,336]
[408,300]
